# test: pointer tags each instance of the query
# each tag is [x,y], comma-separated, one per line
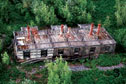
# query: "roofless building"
[72,43]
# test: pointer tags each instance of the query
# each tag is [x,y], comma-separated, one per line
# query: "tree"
[0,45]
[5,58]
[89,18]
[59,72]
[107,22]
[4,10]
[43,14]
[120,35]
[121,12]
[66,13]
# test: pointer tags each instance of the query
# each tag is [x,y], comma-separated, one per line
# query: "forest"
[43,13]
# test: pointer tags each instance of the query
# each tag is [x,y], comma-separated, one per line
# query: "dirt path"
[82,67]
[78,68]
[111,67]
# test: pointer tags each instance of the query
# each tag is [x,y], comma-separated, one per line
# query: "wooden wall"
[84,51]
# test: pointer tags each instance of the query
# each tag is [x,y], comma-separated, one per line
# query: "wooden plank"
[50,51]
[19,52]
[50,55]
[20,57]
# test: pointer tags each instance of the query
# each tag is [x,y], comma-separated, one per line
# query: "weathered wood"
[52,41]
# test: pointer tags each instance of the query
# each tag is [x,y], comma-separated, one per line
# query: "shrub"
[108,60]
[27,81]
[5,58]
[120,38]
[107,22]
[59,72]
[91,63]
[12,82]
[43,14]
[89,18]
[121,12]
[81,61]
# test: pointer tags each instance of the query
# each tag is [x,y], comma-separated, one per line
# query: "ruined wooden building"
[81,42]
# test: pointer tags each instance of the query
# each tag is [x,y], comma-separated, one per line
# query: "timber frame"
[49,43]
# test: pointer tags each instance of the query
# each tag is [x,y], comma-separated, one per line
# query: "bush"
[90,63]
[5,58]
[12,82]
[121,39]
[100,77]
[43,14]
[107,22]
[59,72]
[108,60]
[121,12]
[27,81]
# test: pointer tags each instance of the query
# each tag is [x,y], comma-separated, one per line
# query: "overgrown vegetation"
[5,58]
[116,76]
[59,72]
[108,60]
[120,12]
[110,13]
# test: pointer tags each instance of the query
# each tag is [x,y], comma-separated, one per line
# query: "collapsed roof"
[61,36]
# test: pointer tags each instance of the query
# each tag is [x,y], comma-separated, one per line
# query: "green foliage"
[81,61]
[7,75]
[107,22]
[59,72]
[12,82]
[99,77]
[5,8]
[90,63]
[43,15]
[120,12]
[5,58]
[27,81]
[0,45]
[104,8]
[66,13]
[17,13]
[89,18]
[108,60]
[32,23]
[104,60]
[120,35]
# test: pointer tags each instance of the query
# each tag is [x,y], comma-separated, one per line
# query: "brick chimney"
[61,30]
[69,28]
[99,28]
[28,30]
[91,29]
